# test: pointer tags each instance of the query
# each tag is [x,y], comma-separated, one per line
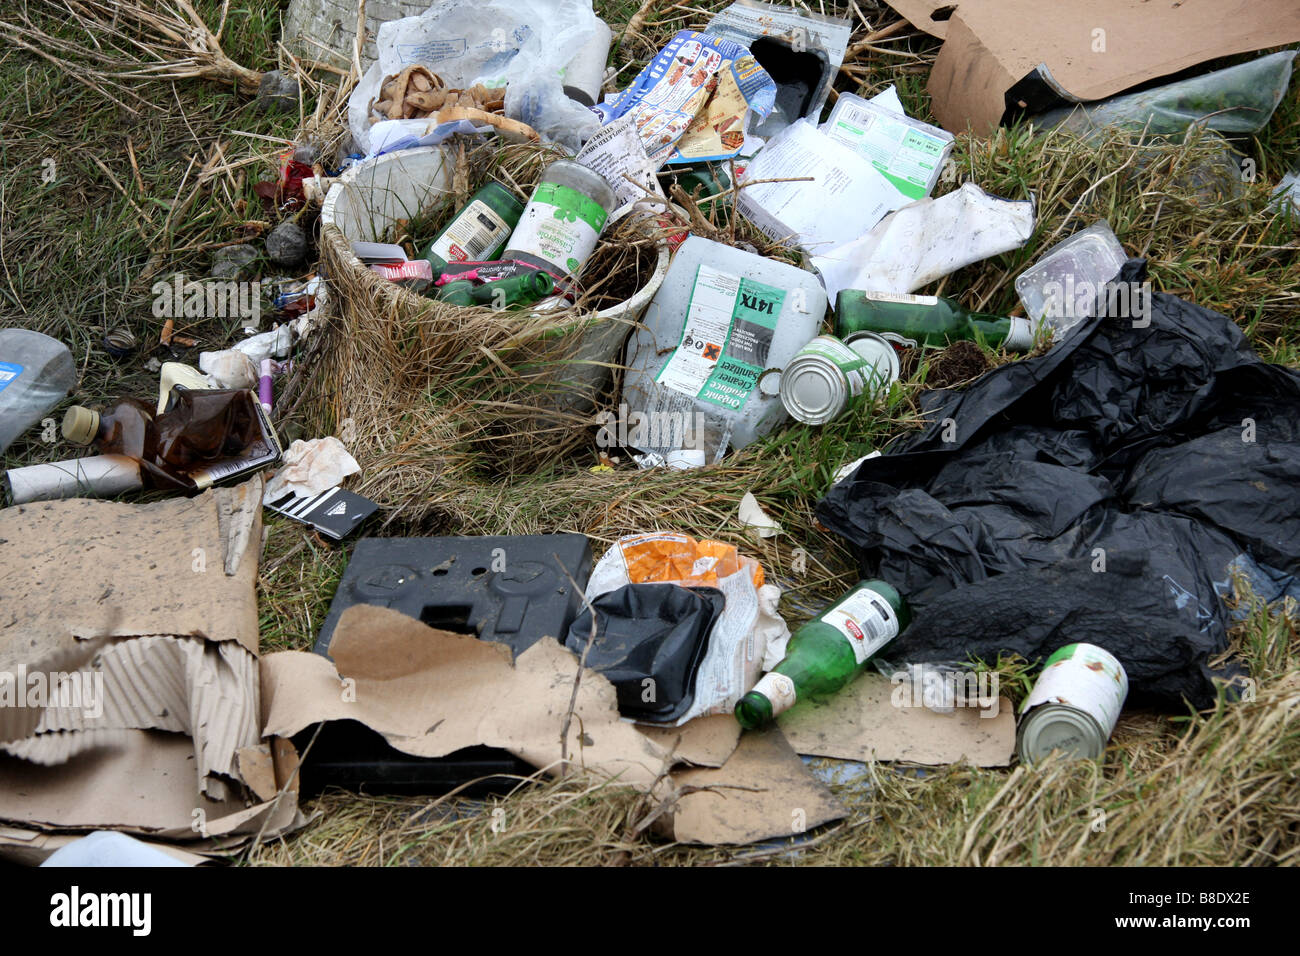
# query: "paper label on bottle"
[1086,677]
[725,339]
[559,225]
[475,232]
[9,372]
[779,689]
[866,619]
[901,297]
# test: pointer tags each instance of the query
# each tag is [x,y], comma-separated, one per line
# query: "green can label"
[852,366]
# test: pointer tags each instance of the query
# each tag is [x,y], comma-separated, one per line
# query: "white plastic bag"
[521,44]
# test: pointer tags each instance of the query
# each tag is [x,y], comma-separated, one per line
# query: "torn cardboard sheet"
[143,782]
[155,694]
[862,723]
[702,742]
[986,70]
[763,791]
[32,847]
[209,693]
[79,569]
[430,693]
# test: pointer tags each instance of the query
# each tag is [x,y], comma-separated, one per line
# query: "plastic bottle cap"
[80,425]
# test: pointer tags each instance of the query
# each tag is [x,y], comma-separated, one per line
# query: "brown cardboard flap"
[79,569]
[763,791]
[1091,51]
[862,723]
[430,693]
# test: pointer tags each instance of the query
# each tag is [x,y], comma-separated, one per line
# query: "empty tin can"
[1074,705]
[827,375]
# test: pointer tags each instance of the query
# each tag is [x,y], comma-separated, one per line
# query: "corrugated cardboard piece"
[990,46]
[763,791]
[431,692]
[862,723]
[129,635]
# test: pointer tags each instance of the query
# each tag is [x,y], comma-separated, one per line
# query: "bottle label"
[475,232]
[9,373]
[777,688]
[560,225]
[726,337]
[866,620]
[901,297]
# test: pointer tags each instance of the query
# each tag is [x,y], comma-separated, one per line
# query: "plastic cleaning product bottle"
[704,364]
[36,373]
[479,231]
[203,437]
[563,219]
[926,320]
[827,652]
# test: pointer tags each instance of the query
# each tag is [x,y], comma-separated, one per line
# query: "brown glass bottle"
[204,436]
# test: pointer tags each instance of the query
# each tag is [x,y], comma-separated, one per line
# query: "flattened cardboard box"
[139,623]
[993,49]
[430,693]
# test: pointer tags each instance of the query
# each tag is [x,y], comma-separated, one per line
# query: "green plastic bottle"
[478,232]
[926,320]
[828,652]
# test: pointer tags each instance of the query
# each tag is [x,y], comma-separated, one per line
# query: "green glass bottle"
[460,292]
[828,652]
[511,293]
[517,291]
[478,232]
[926,320]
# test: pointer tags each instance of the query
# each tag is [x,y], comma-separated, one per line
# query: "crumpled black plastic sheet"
[1108,491]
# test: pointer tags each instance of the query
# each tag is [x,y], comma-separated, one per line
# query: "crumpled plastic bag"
[311,467]
[229,368]
[731,662]
[1236,101]
[1111,491]
[522,45]
[648,641]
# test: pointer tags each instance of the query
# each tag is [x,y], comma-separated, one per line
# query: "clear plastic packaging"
[1239,100]
[1061,287]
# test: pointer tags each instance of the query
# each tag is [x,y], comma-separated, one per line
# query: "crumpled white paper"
[770,629]
[752,515]
[311,467]
[926,240]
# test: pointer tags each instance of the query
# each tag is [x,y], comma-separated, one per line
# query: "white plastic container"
[704,366]
[36,373]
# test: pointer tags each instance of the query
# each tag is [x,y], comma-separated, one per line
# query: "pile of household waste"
[1097,503]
